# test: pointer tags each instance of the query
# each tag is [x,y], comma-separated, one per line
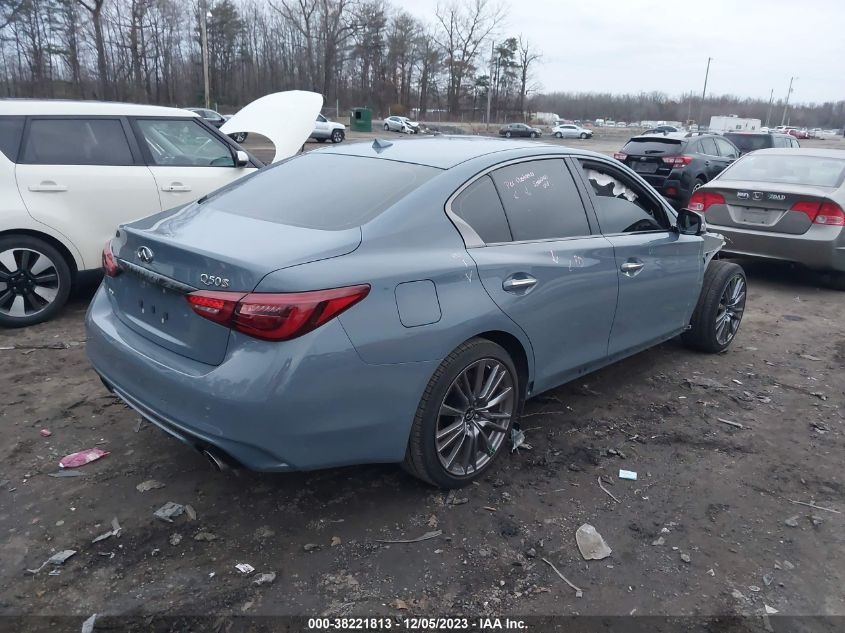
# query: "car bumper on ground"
[821,247]
[298,405]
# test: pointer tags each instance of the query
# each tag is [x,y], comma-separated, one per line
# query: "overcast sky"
[644,45]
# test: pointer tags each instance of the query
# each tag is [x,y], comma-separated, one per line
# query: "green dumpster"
[361,120]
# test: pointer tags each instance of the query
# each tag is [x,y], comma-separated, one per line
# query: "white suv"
[71,172]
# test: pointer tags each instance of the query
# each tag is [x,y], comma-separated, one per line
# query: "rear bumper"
[821,247]
[676,187]
[298,405]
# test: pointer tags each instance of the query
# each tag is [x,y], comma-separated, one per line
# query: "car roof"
[816,152]
[441,151]
[756,133]
[54,107]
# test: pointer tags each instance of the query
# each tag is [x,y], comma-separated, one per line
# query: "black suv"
[752,141]
[677,164]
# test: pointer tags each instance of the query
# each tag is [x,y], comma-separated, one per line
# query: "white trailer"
[733,123]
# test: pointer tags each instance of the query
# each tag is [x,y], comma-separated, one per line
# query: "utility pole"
[204,38]
[703,93]
[771,103]
[786,103]
[490,83]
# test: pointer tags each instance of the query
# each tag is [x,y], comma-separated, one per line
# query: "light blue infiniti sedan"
[402,311]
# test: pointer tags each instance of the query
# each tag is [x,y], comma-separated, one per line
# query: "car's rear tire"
[700,181]
[386,127]
[239,137]
[338,136]
[558,135]
[34,281]
[453,441]
[721,305]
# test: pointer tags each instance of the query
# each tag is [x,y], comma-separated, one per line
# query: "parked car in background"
[324,130]
[752,141]
[72,171]
[802,133]
[571,130]
[424,291]
[784,204]
[519,129]
[401,124]
[216,119]
[676,164]
[663,129]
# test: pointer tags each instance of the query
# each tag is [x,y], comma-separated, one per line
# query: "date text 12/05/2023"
[417,624]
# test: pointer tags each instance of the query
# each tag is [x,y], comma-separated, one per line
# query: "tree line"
[448,66]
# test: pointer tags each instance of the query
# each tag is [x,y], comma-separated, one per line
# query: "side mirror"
[690,223]
[241,158]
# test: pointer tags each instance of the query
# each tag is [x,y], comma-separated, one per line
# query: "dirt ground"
[720,494]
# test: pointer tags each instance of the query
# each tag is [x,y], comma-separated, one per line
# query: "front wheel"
[583,135]
[239,137]
[721,305]
[507,134]
[34,281]
[465,415]
[533,134]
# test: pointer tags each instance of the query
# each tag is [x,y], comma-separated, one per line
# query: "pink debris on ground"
[74,460]
[45,432]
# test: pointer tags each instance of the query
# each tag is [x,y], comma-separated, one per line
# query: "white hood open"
[286,118]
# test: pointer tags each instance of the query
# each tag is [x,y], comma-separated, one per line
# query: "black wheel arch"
[64,251]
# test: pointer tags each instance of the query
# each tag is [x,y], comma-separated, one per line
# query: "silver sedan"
[784,204]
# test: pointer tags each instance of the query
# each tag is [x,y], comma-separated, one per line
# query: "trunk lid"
[763,206]
[199,247]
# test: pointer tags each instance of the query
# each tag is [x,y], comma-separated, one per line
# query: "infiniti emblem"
[145,254]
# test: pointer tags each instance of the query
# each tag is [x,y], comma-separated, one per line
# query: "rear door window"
[480,206]
[652,146]
[76,142]
[541,200]
[11,130]
[708,146]
[725,148]
[622,205]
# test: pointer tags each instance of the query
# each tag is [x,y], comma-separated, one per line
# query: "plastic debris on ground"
[75,460]
[205,536]
[88,625]
[150,484]
[169,510]
[424,537]
[115,531]
[45,432]
[518,439]
[245,568]
[66,473]
[264,579]
[591,544]
[56,559]
[628,474]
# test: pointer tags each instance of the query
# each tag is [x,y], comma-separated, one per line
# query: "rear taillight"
[677,161]
[275,317]
[110,264]
[826,212]
[620,156]
[700,201]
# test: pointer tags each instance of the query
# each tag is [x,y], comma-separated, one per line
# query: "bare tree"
[95,8]
[527,57]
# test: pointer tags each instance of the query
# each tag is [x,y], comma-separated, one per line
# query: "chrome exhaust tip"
[217,461]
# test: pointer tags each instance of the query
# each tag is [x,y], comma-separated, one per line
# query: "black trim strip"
[156,278]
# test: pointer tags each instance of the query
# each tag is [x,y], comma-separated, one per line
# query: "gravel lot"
[721,495]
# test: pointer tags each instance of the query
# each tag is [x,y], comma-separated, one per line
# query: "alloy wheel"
[474,417]
[731,308]
[29,282]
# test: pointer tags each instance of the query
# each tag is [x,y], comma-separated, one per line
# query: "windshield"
[816,171]
[358,189]
[750,142]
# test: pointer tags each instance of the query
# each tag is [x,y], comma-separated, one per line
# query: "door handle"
[176,187]
[48,186]
[518,284]
[631,268]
